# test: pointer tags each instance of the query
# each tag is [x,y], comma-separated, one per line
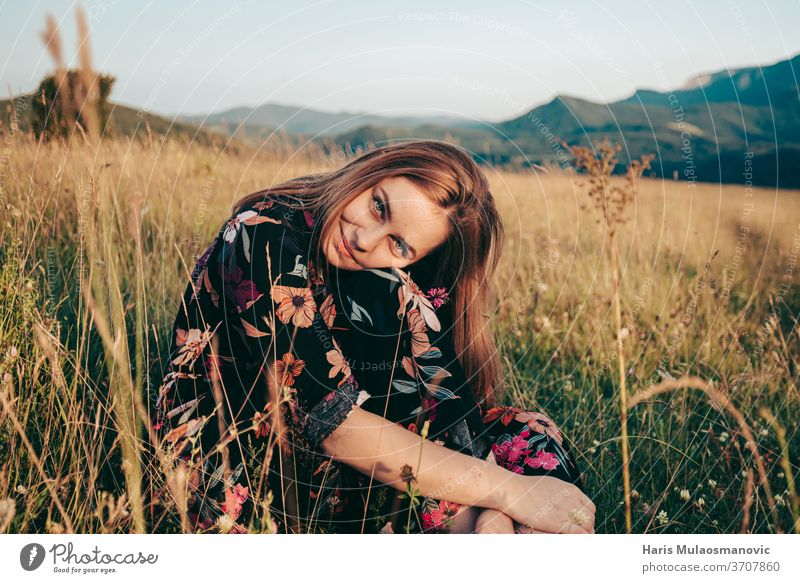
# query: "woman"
[261,398]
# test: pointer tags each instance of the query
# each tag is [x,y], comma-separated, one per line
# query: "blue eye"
[378,205]
[400,246]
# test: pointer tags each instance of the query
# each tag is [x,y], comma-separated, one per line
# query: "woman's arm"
[365,440]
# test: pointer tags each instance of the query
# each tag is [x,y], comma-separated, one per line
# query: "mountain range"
[734,126]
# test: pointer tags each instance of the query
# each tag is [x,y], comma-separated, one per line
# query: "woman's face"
[391,224]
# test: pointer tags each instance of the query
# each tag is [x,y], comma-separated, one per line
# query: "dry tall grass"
[98,243]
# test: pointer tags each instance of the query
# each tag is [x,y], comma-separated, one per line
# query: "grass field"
[97,245]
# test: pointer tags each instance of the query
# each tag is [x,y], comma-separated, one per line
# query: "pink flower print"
[542,459]
[438,516]
[430,403]
[234,498]
[511,451]
[438,296]
[309,216]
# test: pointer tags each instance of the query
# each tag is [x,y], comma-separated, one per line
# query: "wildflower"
[684,493]
[662,517]
[623,333]
[224,523]
[779,500]
[20,489]
[715,522]
[634,495]
[764,432]
[723,437]
[712,483]
[781,474]
[700,503]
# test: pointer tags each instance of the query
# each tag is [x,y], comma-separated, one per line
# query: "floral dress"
[260,330]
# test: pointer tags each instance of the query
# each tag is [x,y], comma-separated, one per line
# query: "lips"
[343,245]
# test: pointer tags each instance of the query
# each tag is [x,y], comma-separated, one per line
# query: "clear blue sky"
[472,58]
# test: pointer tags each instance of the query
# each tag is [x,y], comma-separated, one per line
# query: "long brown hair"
[466,262]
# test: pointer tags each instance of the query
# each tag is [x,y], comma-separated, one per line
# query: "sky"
[475,59]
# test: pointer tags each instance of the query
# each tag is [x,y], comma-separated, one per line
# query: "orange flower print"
[540,423]
[328,310]
[337,359]
[296,304]
[505,414]
[419,333]
[192,343]
[288,368]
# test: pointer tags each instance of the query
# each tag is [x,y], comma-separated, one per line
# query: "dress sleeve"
[285,321]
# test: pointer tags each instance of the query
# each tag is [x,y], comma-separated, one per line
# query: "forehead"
[415,215]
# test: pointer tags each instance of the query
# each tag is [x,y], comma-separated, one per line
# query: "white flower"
[712,483]
[225,523]
[623,333]
[662,517]
[723,437]
[685,494]
[701,502]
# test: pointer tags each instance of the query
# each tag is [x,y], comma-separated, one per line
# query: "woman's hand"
[549,504]
[491,521]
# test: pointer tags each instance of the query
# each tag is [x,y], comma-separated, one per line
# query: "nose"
[367,237]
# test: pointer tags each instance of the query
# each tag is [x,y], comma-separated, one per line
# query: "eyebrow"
[389,214]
